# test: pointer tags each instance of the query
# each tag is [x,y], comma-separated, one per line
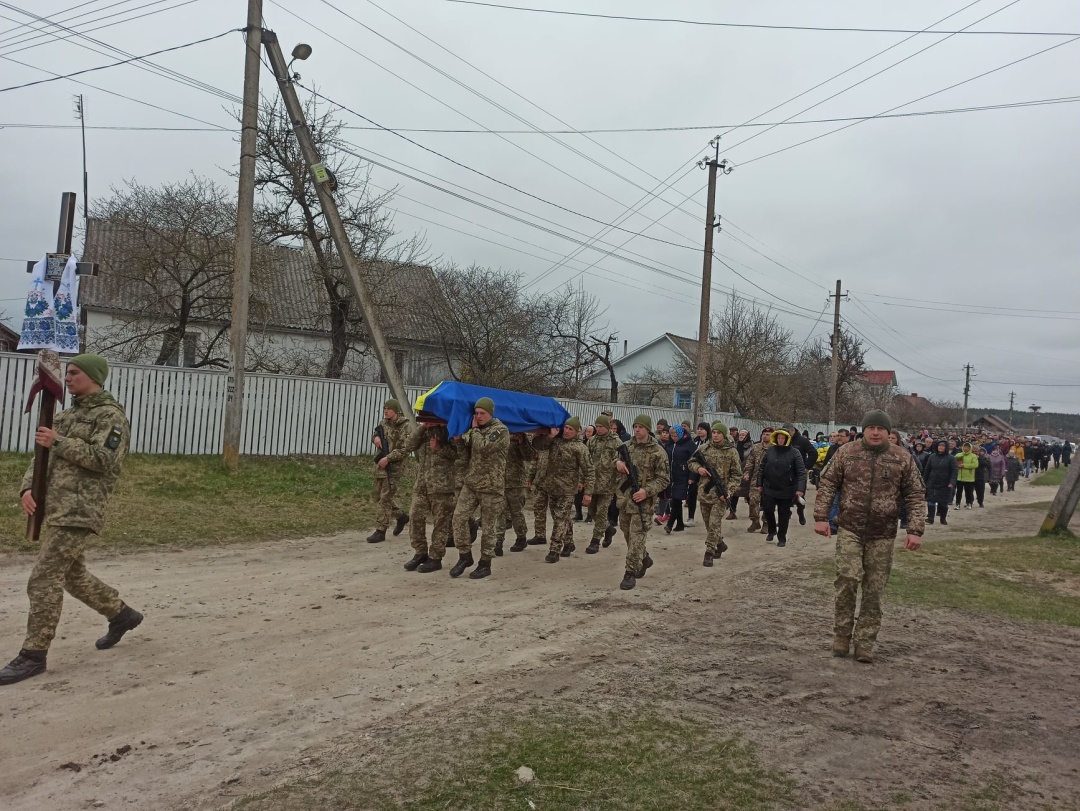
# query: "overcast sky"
[925,219]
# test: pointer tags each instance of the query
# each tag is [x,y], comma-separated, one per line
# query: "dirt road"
[253,659]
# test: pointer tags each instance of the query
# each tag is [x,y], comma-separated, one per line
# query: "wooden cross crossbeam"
[81,268]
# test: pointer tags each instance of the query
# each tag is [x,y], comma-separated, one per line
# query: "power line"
[985,306]
[121,62]
[932,306]
[764,26]
[12,43]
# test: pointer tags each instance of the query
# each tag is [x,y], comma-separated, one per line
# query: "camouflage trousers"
[492,507]
[514,516]
[754,501]
[866,563]
[631,525]
[440,508]
[598,510]
[60,567]
[713,512]
[562,521]
[540,508]
[386,491]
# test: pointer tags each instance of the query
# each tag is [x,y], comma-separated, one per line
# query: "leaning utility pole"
[322,179]
[835,353]
[704,355]
[1064,504]
[245,234]
[967,390]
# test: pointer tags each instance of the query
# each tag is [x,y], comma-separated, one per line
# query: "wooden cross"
[48,361]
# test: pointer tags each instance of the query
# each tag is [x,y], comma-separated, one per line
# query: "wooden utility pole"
[1034,412]
[704,355]
[245,232]
[48,383]
[835,353]
[1064,504]
[1012,399]
[967,390]
[322,179]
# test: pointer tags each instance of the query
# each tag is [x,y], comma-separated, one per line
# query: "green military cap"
[603,421]
[644,420]
[719,426]
[486,404]
[95,367]
[393,405]
[574,423]
[877,417]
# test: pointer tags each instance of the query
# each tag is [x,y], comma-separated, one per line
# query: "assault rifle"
[381,451]
[633,483]
[714,477]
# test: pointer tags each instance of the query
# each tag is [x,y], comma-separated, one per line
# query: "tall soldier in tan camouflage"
[636,506]
[872,477]
[484,447]
[518,458]
[390,439]
[750,471]
[568,469]
[722,457]
[603,450]
[88,444]
[433,495]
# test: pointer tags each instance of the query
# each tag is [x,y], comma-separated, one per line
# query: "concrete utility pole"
[835,352]
[80,113]
[322,177]
[1064,504]
[245,234]
[711,226]
[1012,398]
[967,391]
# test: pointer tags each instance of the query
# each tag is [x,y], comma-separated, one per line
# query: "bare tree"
[582,340]
[288,213]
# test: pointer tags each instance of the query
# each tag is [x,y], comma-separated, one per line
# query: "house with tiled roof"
[289,311]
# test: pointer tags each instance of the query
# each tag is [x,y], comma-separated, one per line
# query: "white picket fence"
[181,411]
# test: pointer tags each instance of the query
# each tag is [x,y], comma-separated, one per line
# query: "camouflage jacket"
[397,437]
[653,467]
[724,459]
[753,460]
[518,458]
[604,450]
[84,462]
[485,449]
[435,468]
[568,465]
[872,483]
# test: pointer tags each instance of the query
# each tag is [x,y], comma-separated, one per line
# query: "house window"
[684,398]
[188,351]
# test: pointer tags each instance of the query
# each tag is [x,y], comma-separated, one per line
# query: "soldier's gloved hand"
[913,542]
[822,528]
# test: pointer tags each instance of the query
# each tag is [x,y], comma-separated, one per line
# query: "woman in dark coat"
[682,449]
[781,478]
[939,473]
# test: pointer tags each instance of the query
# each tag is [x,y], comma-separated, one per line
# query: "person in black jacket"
[804,446]
[781,478]
[982,474]
[682,448]
[939,473]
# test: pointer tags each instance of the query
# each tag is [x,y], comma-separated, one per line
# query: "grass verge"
[1053,477]
[192,501]
[616,763]
[1023,578]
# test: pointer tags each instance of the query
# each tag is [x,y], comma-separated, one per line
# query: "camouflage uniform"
[603,450]
[654,474]
[750,466]
[724,459]
[540,499]
[433,494]
[567,467]
[84,465]
[517,458]
[388,479]
[485,449]
[872,483]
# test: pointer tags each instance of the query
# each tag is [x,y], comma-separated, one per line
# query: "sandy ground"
[256,661]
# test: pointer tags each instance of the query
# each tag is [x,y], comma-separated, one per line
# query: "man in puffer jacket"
[781,478]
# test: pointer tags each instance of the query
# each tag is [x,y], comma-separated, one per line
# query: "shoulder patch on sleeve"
[112,442]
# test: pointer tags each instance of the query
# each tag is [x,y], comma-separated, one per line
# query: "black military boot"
[463,563]
[402,520]
[415,561]
[128,619]
[498,548]
[483,569]
[609,533]
[592,548]
[520,544]
[628,581]
[708,559]
[646,564]
[551,557]
[537,540]
[28,663]
[430,565]
[378,536]
[721,549]
[567,549]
